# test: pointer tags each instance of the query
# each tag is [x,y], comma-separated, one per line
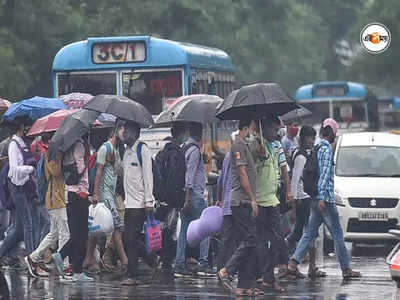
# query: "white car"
[367,185]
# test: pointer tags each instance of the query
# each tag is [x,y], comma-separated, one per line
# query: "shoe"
[130,282]
[59,263]
[42,273]
[349,273]
[31,266]
[82,277]
[225,279]
[68,271]
[182,273]
[205,271]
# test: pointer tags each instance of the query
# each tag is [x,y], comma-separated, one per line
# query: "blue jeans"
[330,218]
[15,234]
[24,211]
[4,221]
[197,206]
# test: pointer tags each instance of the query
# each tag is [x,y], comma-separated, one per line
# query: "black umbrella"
[255,101]
[296,114]
[193,108]
[72,129]
[121,107]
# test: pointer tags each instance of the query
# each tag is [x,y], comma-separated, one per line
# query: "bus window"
[92,83]
[152,89]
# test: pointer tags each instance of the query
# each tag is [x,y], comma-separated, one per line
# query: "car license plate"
[373,216]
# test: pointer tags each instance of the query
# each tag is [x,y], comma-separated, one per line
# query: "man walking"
[195,184]
[139,200]
[271,247]
[244,209]
[323,209]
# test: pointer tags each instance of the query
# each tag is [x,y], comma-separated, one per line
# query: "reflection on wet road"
[375,284]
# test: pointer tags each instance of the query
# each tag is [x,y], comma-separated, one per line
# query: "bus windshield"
[153,89]
[92,82]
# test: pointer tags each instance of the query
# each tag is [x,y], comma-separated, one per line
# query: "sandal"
[273,287]
[244,292]
[225,279]
[296,273]
[316,273]
[349,273]
[257,292]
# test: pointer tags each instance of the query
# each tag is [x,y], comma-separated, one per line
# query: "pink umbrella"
[76,100]
[52,121]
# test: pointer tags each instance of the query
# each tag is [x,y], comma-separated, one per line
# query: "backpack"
[5,194]
[311,173]
[169,176]
[292,158]
[93,168]
[42,183]
[70,168]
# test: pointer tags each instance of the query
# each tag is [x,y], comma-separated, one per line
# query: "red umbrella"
[52,121]
[76,100]
[4,105]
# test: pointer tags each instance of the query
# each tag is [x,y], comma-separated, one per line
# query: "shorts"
[109,202]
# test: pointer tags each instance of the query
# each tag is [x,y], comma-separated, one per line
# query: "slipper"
[244,292]
[296,273]
[257,292]
[316,273]
[273,287]
[225,280]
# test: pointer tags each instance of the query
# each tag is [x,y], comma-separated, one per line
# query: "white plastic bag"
[177,231]
[100,220]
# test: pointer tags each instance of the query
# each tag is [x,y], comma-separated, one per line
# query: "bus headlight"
[339,199]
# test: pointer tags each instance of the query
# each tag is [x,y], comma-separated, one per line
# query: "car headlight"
[339,199]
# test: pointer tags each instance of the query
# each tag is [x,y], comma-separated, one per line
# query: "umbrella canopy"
[192,108]
[296,114]
[254,101]
[4,105]
[52,121]
[72,129]
[121,107]
[76,100]
[33,108]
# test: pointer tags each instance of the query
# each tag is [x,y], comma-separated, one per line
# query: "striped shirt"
[325,182]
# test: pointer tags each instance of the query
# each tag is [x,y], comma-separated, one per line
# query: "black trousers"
[78,214]
[227,243]
[243,258]
[133,220]
[302,215]
[271,246]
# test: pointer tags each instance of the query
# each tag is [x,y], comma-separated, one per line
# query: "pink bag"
[153,235]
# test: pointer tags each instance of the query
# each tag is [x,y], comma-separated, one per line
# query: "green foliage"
[285,41]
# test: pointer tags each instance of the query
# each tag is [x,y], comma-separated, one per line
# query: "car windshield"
[366,161]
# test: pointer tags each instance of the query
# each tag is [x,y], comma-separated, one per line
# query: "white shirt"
[138,181]
[297,181]
[18,173]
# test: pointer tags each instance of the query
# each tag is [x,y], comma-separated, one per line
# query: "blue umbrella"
[34,108]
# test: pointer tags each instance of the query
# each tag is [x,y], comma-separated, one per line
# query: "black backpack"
[311,173]
[169,176]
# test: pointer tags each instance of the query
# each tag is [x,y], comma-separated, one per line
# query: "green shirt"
[268,177]
[108,181]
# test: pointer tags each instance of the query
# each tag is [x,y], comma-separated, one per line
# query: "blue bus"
[149,70]
[351,104]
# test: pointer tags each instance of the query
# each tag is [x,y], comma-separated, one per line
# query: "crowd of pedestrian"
[262,177]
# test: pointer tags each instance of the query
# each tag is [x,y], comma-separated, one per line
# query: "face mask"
[182,139]
[293,131]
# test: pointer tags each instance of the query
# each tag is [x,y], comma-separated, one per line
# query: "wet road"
[375,284]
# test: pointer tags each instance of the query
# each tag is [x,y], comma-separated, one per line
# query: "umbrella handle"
[261,132]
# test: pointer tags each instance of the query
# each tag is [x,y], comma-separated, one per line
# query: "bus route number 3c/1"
[104,53]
